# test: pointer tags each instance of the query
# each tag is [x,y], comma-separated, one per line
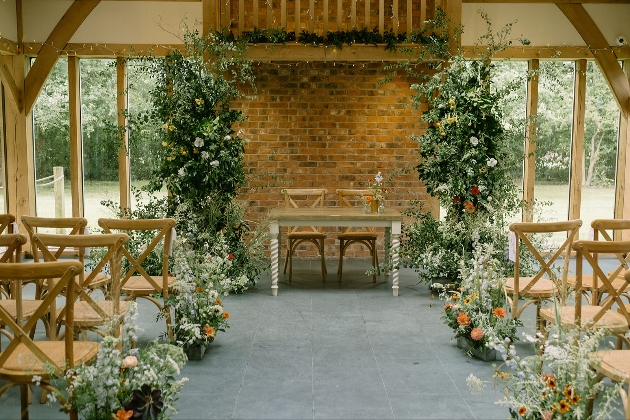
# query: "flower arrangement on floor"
[565,384]
[475,311]
[125,382]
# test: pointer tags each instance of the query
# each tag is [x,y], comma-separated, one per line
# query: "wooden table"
[391,220]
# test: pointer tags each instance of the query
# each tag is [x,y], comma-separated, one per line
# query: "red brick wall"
[329,125]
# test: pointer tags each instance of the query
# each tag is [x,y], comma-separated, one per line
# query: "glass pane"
[513,75]
[144,142]
[51,136]
[100,136]
[600,150]
[553,144]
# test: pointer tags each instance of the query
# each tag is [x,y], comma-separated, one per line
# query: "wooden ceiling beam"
[603,54]
[9,83]
[9,47]
[56,42]
[550,1]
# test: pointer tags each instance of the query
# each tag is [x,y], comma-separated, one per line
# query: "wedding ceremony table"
[390,219]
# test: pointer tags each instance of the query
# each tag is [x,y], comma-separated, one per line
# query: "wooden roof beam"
[603,54]
[57,40]
[7,80]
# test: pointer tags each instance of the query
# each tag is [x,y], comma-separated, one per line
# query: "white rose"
[214,163]
[198,142]
[205,155]
[181,172]
[474,140]
[492,162]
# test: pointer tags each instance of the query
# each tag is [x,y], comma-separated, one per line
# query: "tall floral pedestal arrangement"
[464,162]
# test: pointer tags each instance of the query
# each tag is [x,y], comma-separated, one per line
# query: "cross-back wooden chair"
[12,243]
[614,365]
[350,235]
[23,357]
[604,230]
[312,234]
[524,291]
[136,282]
[70,225]
[615,322]
[88,312]
[7,222]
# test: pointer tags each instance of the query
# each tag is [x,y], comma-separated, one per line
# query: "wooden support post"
[210,16]
[577,140]
[340,15]
[297,16]
[453,10]
[367,14]
[311,16]
[410,16]
[255,12]
[325,17]
[283,14]
[269,7]
[123,134]
[395,17]
[529,172]
[59,192]
[20,165]
[381,16]
[226,15]
[622,204]
[353,13]
[76,139]
[241,15]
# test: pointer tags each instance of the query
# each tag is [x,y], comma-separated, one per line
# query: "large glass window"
[99,122]
[512,75]
[553,140]
[144,142]
[51,135]
[600,150]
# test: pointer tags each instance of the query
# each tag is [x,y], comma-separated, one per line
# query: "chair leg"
[321,251]
[374,261]
[24,390]
[290,251]
[286,259]
[342,251]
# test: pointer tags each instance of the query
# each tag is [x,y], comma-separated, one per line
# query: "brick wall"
[328,125]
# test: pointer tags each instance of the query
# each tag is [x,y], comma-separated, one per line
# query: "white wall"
[116,22]
[8,27]
[543,24]
[159,22]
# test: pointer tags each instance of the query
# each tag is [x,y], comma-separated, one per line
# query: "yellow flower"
[438,124]
[182,151]
[196,151]
[164,144]
[165,125]
[171,127]
[451,120]
[467,301]
[170,158]
[442,134]
[199,101]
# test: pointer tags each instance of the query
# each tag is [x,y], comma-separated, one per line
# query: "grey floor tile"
[430,406]
[342,413]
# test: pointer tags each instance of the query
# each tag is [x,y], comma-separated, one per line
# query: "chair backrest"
[7,223]
[165,229]
[588,250]
[11,244]
[75,225]
[302,197]
[352,198]
[22,354]
[113,243]
[523,231]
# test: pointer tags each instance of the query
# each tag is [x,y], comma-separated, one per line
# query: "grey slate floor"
[327,350]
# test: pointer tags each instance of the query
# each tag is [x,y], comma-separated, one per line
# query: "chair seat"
[587,282]
[98,281]
[543,289]
[86,316]
[611,320]
[28,307]
[614,364]
[22,364]
[138,285]
[357,236]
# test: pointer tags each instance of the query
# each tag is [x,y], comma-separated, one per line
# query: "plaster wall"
[160,22]
[543,24]
[8,26]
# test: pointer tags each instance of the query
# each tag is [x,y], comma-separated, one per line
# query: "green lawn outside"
[597,202]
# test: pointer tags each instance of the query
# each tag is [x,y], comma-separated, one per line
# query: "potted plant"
[475,310]
[125,382]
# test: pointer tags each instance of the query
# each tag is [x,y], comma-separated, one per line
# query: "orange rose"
[463,319]
[448,307]
[209,331]
[368,198]
[500,312]
[469,207]
[130,361]
[476,334]
[226,315]
[123,415]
